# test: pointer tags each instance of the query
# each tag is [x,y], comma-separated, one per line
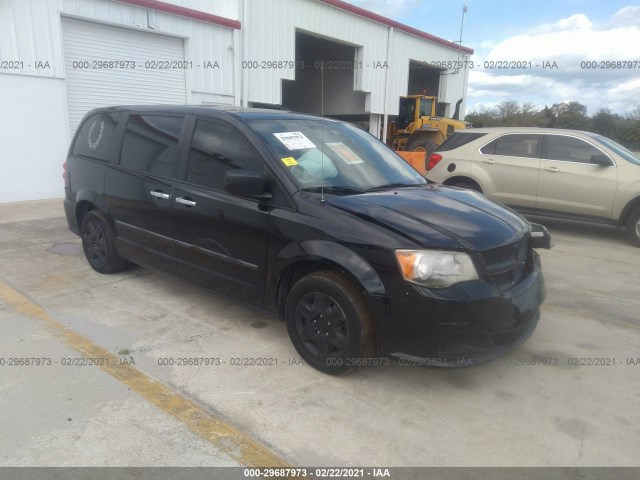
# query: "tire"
[421,144]
[98,244]
[329,322]
[633,227]
[466,185]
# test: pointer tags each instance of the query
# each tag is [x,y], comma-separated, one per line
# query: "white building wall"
[30,30]
[34,138]
[270,35]
[269,28]
[222,8]
[32,150]
[406,47]
[453,86]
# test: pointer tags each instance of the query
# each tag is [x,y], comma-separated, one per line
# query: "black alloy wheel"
[322,326]
[98,244]
[329,322]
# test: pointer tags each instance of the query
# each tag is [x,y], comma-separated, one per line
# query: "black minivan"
[312,219]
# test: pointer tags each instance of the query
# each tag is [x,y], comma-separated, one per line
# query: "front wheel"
[329,322]
[421,144]
[633,227]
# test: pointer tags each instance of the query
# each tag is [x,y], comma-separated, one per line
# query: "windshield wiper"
[387,186]
[335,189]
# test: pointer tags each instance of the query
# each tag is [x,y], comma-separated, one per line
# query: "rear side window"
[95,137]
[516,145]
[151,143]
[458,140]
[215,149]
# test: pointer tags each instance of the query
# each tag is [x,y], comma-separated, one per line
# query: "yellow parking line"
[222,435]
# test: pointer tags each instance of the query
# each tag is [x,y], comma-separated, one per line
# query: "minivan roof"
[245,113]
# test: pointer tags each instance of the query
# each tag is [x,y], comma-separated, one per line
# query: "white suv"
[546,171]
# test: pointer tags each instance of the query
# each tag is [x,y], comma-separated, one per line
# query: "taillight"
[433,160]
[65,175]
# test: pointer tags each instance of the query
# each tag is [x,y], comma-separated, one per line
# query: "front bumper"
[464,328]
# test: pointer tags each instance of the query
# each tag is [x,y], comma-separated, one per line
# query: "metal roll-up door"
[87,87]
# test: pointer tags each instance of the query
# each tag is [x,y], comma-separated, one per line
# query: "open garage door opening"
[304,94]
[425,78]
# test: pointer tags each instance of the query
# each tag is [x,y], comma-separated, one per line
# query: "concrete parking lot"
[570,396]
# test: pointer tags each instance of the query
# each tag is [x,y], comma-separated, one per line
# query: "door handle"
[489,160]
[552,169]
[158,194]
[185,201]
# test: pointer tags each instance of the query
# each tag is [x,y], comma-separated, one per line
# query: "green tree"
[482,118]
[635,114]
[571,115]
[544,118]
[605,123]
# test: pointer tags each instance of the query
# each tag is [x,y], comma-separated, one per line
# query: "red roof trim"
[392,23]
[184,12]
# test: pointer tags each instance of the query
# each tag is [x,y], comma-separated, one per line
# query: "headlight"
[435,269]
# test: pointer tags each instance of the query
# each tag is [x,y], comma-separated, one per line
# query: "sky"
[567,32]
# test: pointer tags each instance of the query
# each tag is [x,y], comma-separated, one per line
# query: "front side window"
[570,149]
[150,144]
[426,106]
[216,148]
[95,137]
[625,153]
[515,145]
[324,153]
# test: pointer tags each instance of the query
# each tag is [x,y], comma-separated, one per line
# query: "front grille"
[506,264]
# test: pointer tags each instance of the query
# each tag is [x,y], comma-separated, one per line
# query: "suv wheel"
[98,244]
[328,322]
[633,227]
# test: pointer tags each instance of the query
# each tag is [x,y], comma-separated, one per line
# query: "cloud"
[573,23]
[597,65]
[628,16]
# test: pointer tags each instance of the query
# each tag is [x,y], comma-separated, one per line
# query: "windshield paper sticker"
[345,153]
[289,161]
[294,140]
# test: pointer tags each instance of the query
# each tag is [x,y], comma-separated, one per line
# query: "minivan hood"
[435,216]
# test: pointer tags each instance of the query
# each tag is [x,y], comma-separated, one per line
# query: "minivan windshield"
[625,153]
[335,156]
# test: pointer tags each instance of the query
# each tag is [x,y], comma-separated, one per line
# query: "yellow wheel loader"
[418,128]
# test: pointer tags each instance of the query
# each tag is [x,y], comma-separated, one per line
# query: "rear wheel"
[328,322]
[98,244]
[633,227]
[421,144]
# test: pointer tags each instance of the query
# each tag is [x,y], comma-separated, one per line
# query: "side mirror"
[540,237]
[601,159]
[245,183]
